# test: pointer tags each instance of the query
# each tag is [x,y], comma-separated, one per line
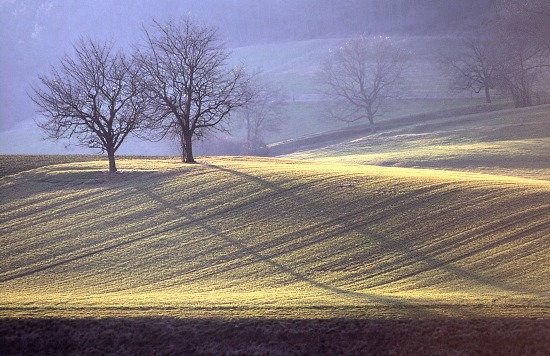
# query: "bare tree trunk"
[248,136]
[182,145]
[188,148]
[487,95]
[112,164]
[372,126]
[521,96]
[370,117]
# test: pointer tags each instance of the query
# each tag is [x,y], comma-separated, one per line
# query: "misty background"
[36,33]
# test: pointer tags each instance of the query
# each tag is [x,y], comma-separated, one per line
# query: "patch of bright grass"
[507,142]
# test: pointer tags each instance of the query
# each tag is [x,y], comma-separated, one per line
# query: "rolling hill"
[260,237]
[431,236]
[477,139]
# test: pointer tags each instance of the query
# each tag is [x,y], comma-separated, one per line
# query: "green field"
[244,244]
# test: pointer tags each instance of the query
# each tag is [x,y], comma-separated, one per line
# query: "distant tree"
[518,68]
[362,75]
[190,86]
[520,33]
[474,66]
[93,96]
[264,113]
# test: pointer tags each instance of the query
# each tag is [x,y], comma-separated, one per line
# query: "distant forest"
[252,21]
[242,22]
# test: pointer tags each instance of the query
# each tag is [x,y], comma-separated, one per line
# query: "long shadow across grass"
[411,256]
[265,258]
[259,256]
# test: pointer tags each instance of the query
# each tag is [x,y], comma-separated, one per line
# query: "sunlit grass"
[508,142]
[253,236]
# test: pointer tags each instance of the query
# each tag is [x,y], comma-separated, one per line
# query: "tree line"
[509,51]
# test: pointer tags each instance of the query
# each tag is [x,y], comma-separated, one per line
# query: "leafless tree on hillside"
[190,86]
[474,67]
[362,75]
[93,96]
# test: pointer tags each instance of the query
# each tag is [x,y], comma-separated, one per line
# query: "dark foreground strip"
[168,336]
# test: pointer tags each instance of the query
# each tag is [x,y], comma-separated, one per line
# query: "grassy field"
[505,142]
[266,235]
[240,239]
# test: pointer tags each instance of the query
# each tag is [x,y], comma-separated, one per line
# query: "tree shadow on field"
[423,261]
[419,261]
[94,200]
[268,258]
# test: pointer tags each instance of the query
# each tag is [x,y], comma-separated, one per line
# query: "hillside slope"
[230,235]
[507,142]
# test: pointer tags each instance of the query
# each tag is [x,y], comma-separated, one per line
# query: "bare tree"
[539,14]
[521,30]
[362,75]
[474,66]
[264,113]
[518,68]
[93,96]
[189,83]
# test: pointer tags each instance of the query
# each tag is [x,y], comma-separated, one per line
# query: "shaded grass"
[163,336]
[12,164]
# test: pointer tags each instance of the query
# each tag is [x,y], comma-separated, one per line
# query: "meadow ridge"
[254,256]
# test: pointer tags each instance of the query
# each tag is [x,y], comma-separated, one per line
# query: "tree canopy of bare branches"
[266,112]
[511,52]
[92,96]
[362,75]
[189,84]
[474,67]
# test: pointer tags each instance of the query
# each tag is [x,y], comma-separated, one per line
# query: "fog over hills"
[35,33]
